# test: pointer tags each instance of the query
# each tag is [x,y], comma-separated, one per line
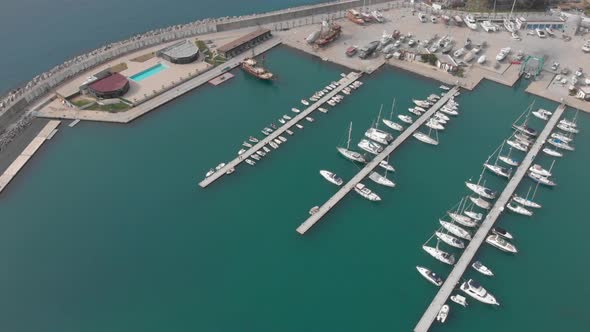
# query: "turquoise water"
[106,229]
[142,75]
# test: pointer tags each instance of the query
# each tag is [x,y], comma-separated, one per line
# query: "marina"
[466,258]
[370,166]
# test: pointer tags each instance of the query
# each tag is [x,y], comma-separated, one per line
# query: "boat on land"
[541,179]
[450,240]
[405,118]
[455,230]
[542,114]
[552,153]
[332,32]
[370,146]
[362,190]
[460,300]
[476,291]
[250,66]
[381,179]
[443,313]
[481,190]
[516,208]
[331,177]
[440,255]
[430,276]
[350,154]
[479,267]
[501,243]
[470,22]
[502,232]
[480,202]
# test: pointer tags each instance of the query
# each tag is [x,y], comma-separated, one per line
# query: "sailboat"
[495,168]
[525,201]
[381,179]
[450,240]
[390,123]
[459,218]
[378,135]
[524,128]
[386,166]
[425,138]
[439,254]
[508,24]
[509,160]
[479,189]
[349,154]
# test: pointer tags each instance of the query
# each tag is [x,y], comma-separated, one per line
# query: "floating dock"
[28,152]
[479,237]
[221,79]
[343,82]
[326,207]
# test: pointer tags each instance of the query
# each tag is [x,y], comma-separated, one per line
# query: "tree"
[429,58]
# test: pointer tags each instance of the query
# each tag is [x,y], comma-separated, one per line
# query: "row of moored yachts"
[459,224]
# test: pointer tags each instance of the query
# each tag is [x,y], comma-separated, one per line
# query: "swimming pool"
[142,75]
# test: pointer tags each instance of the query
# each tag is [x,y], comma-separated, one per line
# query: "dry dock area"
[479,237]
[28,152]
[326,207]
[344,82]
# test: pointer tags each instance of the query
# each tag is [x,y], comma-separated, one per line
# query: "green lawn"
[119,107]
[80,102]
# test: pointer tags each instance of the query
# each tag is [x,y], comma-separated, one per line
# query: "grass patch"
[113,108]
[119,68]
[80,102]
[201,46]
[144,58]
[216,60]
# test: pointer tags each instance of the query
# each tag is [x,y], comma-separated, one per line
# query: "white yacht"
[450,240]
[481,60]
[430,276]
[286,117]
[462,220]
[386,166]
[331,177]
[432,123]
[479,267]
[393,125]
[323,110]
[561,137]
[474,215]
[498,170]
[460,300]
[421,103]
[560,144]
[438,119]
[382,180]
[210,172]
[501,243]
[295,110]
[512,206]
[568,123]
[542,114]
[253,139]
[552,153]
[405,118]
[482,203]
[541,179]
[349,154]
[362,190]
[440,255]
[525,202]
[370,147]
[536,168]
[415,110]
[422,137]
[455,230]
[443,313]
[517,145]
[525,129]
[246,144]
[509,161]
[448,111]
[568,128]
[304,102]
[441,116]
[444,87]
[481,190]
[379,136]
[476,291]
[250,162]
[502,232]
[282,138]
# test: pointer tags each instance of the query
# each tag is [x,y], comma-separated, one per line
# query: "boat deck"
[330,203]
[479,237]
[344,82]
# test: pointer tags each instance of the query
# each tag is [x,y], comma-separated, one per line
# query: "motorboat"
[552,153]
[295,110]
[561,137]
[385,165]
[283,139]
[517,145]
[444,87]
[568,128]
[480,202]
[261,153]
[246,144]
[298,125]
[289,132]
[498,170]
[541,179]
[474,215]
[255,156]
[525,202]
[430,276]
[421,103]
[253,139]
[331,177]
[278,141]
[560,144]
[450,240]
[370,146]
[405,118]
[479,267]
[323,110]
[542,114]
[379,136]
[502,232]
[449,111]
[536,168]
[509,161]
[568,123]
[267,150]
[455,230]
[314,210]
[481,190]
[250,162]
[432,123]
[523,138]
[460,300]
[476,291]
[286,117]
[241,151]
[393,125]
[210,172]
[501,243]
[415,110]
[443,313]
[281,121]
[440,255]
[273,145]
[516,208]
[309,119]
[362,190]
[439,119]
[441,116]
[422,137]
[380,179]
[462,220]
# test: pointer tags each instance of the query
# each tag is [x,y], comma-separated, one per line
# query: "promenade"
[463,263]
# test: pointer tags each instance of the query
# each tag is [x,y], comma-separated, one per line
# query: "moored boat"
[476,291]
[498,170]
[405,118]
[380,179]
[525,202]
[450,240]
[502,232]
[501,243]
[516,208]
[552,153]
[479,267]
[536,168]
[509,160]
[362,190]
[480,202]
[541,179]
[331,177]
[370,147]
[430,276]
[481,190]
[560,144]
[440,255]
[455,230]
[462,220]
[460,300]
[474,215]
[422,137]
[517,145]
[443,313]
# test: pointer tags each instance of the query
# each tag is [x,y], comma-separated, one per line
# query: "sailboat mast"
[349,132]
[379,117]
[552,163]
[535,192]
[511,10]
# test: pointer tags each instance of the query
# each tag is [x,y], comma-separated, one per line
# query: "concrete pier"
[330,203]
[479,237]
[344,82]
[28,152]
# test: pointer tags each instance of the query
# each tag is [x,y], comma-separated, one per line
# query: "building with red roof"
[111,86]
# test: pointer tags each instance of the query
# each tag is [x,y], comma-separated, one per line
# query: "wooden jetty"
[330,203]
[343,82]
[463,263]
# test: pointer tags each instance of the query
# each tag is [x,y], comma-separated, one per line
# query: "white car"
[541,33]
[586,47]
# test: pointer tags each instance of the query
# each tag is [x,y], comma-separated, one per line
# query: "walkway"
[479,237]
[325,208]
[344,82]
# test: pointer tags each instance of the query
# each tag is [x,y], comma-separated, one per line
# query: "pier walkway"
[343,82]
[330,203]
[479,237]
[46,133]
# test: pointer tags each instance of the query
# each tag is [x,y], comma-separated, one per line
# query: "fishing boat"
[501,243]
[561,137]
[295,110]
[498,170]
[370,147]
[476,291]
[443,313]
[250,162]
[405,118]
[439,254]
[541,179]
[479,267]
[480,202]
[502,232]
[381,179]
[560,144]
[331,177]
[536,168]
[455,230]
[422,137]
[460,300]
[516,208]
[430,276]
[552,153]
[450,240]
[349,154]
[542,114]
[253,139]
[517,145]
[362,190]
[481,190]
